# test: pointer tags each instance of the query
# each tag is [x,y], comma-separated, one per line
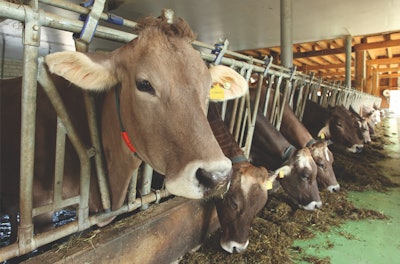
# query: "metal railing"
[296,88]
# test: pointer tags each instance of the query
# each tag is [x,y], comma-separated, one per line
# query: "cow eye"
[232,203]
[339,124]
[305,177]
[145,86]
[321,165]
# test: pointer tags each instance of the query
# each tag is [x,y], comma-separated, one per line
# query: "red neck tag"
[128,142]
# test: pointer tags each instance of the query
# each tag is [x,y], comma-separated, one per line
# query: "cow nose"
[334,188]
[215,182]
[359,149]
[312,205]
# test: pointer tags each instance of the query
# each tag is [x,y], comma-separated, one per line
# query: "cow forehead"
[250,177]
[304,159]
[321,152]
[165,62]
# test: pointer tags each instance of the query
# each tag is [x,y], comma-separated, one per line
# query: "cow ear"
[227,84]
[324,132]
[88,71]
[280,173]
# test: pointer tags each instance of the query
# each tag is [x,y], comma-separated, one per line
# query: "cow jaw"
[201,179]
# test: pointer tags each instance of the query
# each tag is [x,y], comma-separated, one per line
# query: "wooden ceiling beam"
[388,76]
[384,61]
[377,45]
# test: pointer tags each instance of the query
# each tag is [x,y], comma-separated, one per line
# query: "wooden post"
[360,68]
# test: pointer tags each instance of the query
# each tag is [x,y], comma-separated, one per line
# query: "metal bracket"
[268,63]
[91,20]
[32,27]
[220,49]
[292,72]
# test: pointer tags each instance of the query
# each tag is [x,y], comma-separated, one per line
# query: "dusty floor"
[364,217]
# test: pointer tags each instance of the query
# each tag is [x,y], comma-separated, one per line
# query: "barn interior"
[320,35]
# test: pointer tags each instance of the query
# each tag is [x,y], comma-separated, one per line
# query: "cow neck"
[311,142]
[226,141]
[287,152]
[124,134]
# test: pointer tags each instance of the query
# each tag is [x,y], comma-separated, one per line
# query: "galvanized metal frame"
[244,112]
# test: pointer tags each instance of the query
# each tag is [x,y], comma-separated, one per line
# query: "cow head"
[298,178]
[361,125]
[323,158]
[163,88]
[341,129]
[237,209]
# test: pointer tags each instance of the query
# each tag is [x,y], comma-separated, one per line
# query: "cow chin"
[201,180]
[234,247]
[356,148]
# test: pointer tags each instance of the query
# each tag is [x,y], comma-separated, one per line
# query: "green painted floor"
[366,241]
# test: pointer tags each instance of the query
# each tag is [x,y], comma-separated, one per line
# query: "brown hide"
[272,150]
[335,123]
[296,133]
[247,193]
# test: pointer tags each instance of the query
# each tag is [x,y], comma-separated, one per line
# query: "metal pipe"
[59,162]
[82,152]
[28,127]
[286,34]
[84,11]
[15,11]
[145,187]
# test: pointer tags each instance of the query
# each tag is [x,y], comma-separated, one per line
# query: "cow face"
[361,125]
[163,88]
[237,209]
[341,129]
[323,158]
[298,178]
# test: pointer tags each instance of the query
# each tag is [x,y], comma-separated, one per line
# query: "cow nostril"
[205,178]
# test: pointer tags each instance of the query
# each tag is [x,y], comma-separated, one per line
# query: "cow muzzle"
[334,188]
[200,179]
[356,148]
[312,206]
[234,247]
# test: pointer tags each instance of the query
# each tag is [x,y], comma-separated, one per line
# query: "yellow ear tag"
[281,174]
[217,92]
[269,185]
[322,136]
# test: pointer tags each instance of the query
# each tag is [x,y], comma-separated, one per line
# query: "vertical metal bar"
[286,34]
[132,187]
[145,187]
[59,162]
[90,107]
[98,158]
[268,95]
[28,123]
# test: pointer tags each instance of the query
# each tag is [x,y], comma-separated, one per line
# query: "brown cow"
[163,85]
[247,193]
[272,150]
[335,123]
[296,133]
[362,123]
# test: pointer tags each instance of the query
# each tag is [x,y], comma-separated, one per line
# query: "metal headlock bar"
[274,79]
